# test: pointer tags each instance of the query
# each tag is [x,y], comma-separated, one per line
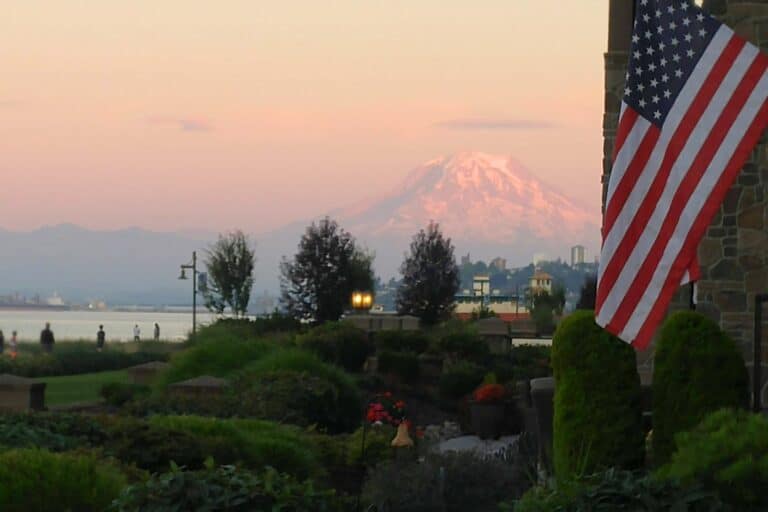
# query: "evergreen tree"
[588,293]
[430,277]
[230,264]
[317,284]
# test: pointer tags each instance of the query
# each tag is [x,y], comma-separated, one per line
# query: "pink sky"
[250,114]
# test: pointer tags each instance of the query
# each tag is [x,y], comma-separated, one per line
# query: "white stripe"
[685,98]
[625,155]
[678,172]
[708,182]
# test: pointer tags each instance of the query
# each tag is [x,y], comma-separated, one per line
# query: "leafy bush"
[378,445]
[463,342]
[33,480]
[62,431]
[531,361]
[253,443]
[597,417]
[19,435]
[616,490]
[340,343]
[73,358]
[697,370]
[460,380]
[347,394]
[118,394]
[402,341]
[726,453]
[225,488]
[403,364]
[444,483]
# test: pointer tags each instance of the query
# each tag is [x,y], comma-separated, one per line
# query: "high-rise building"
[499,264]
[578,255]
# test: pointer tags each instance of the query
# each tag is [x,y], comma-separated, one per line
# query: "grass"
[82,388]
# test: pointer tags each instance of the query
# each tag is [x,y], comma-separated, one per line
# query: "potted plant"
[487,409]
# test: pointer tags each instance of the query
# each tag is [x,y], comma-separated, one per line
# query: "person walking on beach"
[101,337]
[157,331]
[46,338]
[136,333]
[14,345]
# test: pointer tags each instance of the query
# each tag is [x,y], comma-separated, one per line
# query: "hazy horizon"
[175,117]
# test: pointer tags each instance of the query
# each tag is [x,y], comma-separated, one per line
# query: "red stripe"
[682,196]
[751,137]
[620,194]
[676,145]
[626,123]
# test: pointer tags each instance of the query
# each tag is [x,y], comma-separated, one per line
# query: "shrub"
[463,342]
[378,447]
[225,488]
[403,364]
[253,443]
[531,361]
[402,341]
[445,483]
[697,370]
[460,380]
[597,417]
[62,431]
[616,490]
[726,453]
[118,394]
[36,480]
[19,435]
[339,343]
[348,395]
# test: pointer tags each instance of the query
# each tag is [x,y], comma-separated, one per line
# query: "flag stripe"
[630,257]
[626,123]
[652,259]
[744,140]
[646,191]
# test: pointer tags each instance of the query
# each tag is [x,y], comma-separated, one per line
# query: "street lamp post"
[183,277]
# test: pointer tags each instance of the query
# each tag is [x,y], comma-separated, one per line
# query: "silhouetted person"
[157,331]
[2,341]
[136,333]
[46,338]
[101,337]
[14,345]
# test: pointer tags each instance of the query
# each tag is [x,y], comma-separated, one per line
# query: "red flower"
[400,404]
[388,394]
[490,393]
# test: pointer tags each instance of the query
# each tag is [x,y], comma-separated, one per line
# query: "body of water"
[82,325]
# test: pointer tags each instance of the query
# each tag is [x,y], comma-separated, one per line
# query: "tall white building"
[578,255]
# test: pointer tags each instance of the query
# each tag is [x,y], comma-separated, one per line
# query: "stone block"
[710,251]
[748,180]
[757,281]
[752,218]
[145,374]
[18,394]
[727,270]
[731,301]
[753,239]
[731,201]
[199,386]
[752,261]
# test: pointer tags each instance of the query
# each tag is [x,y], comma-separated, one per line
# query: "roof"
[14,381]
[492,326]
[541,275]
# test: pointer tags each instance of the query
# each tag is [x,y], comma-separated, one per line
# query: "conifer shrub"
[597,417]
[34,480]
[339,343]
[697,370]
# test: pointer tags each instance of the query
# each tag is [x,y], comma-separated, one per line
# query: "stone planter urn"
[487,418]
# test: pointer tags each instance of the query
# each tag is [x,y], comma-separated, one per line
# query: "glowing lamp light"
[362,300]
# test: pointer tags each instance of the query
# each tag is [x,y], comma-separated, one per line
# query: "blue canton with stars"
[668,40]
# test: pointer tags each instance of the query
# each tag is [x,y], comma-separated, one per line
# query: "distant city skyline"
[174,116]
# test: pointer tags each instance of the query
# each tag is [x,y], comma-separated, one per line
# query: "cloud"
[184,124]
[493,124]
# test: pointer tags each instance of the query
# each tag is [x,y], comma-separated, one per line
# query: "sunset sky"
[249,114]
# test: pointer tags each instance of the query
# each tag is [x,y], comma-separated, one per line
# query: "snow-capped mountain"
[480,200]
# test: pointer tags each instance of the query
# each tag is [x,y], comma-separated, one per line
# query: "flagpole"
[692,297]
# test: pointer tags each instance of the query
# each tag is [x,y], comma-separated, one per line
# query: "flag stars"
[676,57]
[665,78]
[667,94]
[688,38]
[690,53]
[702,33]
[672,26]
[678,73]
[627,91]
[699,17]
[642,103]
[640,87]
[655,99]
[654,83]
[657,115]
[663,62]
[686,21]
[675,42]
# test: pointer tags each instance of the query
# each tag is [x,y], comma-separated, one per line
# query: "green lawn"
[81,388]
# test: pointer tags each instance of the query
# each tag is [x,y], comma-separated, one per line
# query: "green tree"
[430,277]
[317,284]
[229,263]
[545,306]
[588,295]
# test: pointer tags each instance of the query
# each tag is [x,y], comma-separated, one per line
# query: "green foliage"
[33,480]
[617,490]
[20,435]
[253,443]
[225,488]
[467,483]
[726,453]
[460,380]
[430,277]
[378,445]
[73,358]
[402,341]
[531,361]
[340,343]
[697,370]
[403,364]
[462,341]
[588,294]
[118,394]
[597,421]
[229,263]
[348,395]
[56,431]
[317,284]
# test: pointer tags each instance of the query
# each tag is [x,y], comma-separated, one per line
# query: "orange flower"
[490,393]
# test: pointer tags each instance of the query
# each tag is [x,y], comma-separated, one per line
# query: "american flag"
[694,107]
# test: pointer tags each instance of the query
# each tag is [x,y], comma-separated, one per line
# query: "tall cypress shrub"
[697,370]
[597,421]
